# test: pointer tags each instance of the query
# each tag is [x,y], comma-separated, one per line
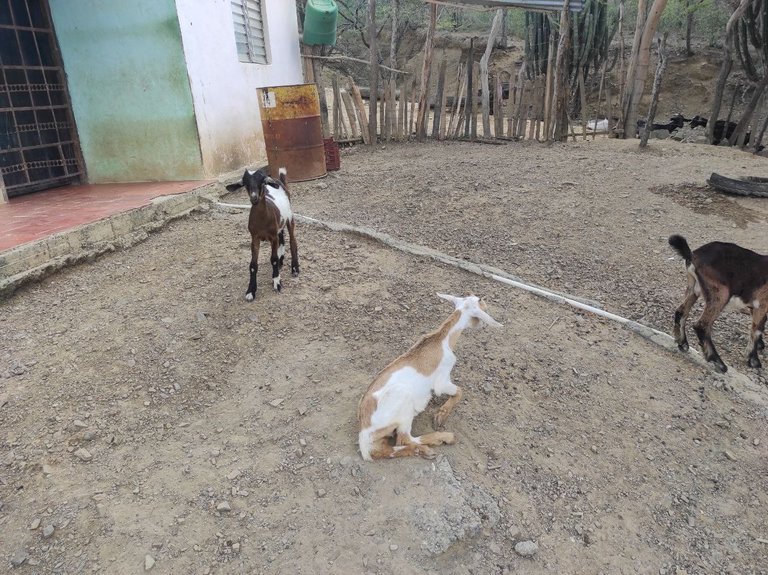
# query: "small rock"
[236,547]
[303,442]
[755,441]
[47,469]
[149,562]
[393,547]
[79,424]
[83,454]
[321,492]
[513,532]
[35,523]
[19,558]
[302,411]
[101,509]
[233,475]
[276,402]
[526,548]
[223,506]
[47,531]
[729,455]
[594,448]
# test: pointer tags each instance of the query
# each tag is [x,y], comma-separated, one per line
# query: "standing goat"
[403,389]
[724,273]
[270,215]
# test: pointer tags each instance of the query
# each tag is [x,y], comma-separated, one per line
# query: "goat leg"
[758,327]
[281,247]
[294,249]
[681,315]
[275,261]
[253,268]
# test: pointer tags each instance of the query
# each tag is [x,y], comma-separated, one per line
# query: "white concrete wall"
[224,89]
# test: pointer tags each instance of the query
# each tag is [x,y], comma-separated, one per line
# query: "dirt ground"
[149,414]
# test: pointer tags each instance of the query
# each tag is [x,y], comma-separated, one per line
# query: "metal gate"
[38,139]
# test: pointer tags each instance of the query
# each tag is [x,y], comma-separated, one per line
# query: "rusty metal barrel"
[293,133]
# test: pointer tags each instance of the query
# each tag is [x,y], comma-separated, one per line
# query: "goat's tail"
[283,175]
[681,246]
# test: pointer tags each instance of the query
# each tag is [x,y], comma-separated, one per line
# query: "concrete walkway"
[42,232]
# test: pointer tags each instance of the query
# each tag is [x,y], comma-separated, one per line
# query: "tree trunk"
[725,68]
[495,28]
[438,117]
[392,76]
[470,89]
[638,66]
[655,92]
[688,29]
[746,117]
[560,92]
[374,93]
[426,69]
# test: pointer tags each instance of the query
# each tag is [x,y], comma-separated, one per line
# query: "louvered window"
[250,33]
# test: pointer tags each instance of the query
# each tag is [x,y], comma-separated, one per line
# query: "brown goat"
[723,273]
[270,214]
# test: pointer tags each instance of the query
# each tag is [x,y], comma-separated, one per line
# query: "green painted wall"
[130,93]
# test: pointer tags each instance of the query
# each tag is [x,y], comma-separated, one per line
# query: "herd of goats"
[723,273]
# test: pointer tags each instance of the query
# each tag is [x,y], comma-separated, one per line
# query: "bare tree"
[637,71]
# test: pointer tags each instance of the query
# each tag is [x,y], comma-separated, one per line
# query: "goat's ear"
[487,318]
[235,186]
[450,298]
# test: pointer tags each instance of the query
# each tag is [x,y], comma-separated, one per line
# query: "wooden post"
[426,69]
[495,29]
[374,54]
[548,88]
[583,97]
[412,117]
[336,108]
[350,109]
[439,99]
[469,108]
[392,126]
[361,116]
[519,102]
[402,128]
[3,192]
[498,115]
[472,108]
[560,94]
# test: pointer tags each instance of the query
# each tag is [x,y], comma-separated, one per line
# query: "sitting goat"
[270,215]
[403,389]
[723,273]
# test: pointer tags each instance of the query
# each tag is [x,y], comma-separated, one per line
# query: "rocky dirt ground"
[151,418]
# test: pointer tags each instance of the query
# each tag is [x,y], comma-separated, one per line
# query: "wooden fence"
[517,108]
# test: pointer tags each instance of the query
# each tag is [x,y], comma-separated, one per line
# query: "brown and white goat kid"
[723,273]
[270,215]
[403,389]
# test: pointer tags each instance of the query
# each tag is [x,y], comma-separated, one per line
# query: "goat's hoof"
[438,421]
[719,365]
[427,453]
[295,273]
[683,346]
[754,362]
[760,344]
[278,288]
[250,296]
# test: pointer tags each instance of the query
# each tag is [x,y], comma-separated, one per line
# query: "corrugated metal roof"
[534,5]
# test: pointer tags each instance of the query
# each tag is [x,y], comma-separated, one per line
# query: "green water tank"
[320,22]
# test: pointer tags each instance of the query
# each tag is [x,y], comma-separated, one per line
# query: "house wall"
[130,92]
[224,89]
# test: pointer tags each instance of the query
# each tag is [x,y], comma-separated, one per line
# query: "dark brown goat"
[723,273]
[270,214]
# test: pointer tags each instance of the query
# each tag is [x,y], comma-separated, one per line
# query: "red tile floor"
[34,216]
